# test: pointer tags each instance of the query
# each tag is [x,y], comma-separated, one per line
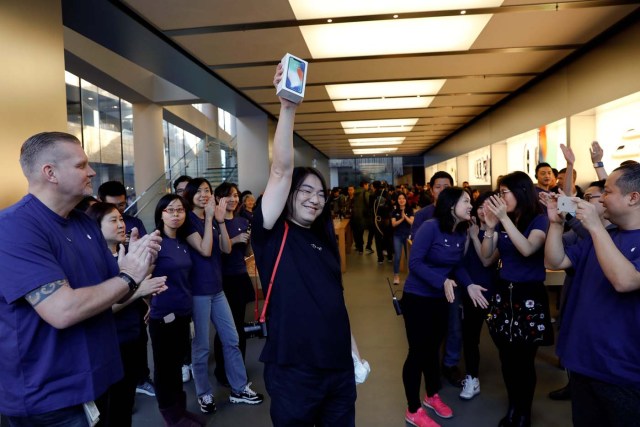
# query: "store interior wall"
[31,83]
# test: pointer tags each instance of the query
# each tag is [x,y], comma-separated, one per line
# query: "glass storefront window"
[104,124]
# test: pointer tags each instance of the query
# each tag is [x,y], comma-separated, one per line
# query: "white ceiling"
[243,40]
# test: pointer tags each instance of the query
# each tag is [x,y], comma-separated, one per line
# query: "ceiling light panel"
[382,89]
[312,9]
[375,142]
[392,37]
[359,151]
[382,104]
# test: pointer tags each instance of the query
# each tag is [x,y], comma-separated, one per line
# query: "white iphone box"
[294,79]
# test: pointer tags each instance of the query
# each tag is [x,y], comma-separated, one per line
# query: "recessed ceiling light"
[305,9]
[371,142]
[378,126]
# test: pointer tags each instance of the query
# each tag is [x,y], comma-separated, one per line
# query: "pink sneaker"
[420,419]
[439,407]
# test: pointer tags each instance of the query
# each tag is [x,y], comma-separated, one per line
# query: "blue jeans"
[453,346]
[66,417]
[399,244]
[215,309]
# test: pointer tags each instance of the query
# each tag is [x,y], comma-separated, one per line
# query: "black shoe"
[453,375]
[508,419]
[563,393]
[369,251]
[522,421]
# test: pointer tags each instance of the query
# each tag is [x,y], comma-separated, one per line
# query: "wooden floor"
[382,341]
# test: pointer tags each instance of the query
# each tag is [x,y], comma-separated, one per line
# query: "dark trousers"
[370,234]
[116,406]
[472,321]
[238,289]
[519,374]
[596,403]
[357,228]
[303,396]
[384,241]
[143,339]
[425,321]
[169,342]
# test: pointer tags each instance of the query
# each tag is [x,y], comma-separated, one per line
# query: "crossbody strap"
[273,274]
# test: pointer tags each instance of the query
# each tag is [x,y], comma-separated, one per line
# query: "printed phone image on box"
[292,85]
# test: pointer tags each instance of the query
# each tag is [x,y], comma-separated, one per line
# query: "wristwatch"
[598,165]
[133,286]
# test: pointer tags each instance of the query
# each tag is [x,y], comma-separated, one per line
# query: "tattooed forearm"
[36,296]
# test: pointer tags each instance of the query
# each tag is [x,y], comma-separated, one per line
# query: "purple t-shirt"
[435,255]
[403,229]
[43,368]
[174,262]
[234,263]
[600,326]
[480,275]
[517,267]
[206,273]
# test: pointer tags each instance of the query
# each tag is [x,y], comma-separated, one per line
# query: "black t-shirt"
[307,320]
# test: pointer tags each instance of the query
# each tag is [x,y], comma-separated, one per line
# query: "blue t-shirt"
[420,217]
[43,368]
[600,332]
[480,275]
[174,262]
[517,267]
[132,221]
[435,255]
[206,273]
[307,320]
[403,229]
[234,263]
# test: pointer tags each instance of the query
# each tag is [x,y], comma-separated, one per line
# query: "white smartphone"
[565,204]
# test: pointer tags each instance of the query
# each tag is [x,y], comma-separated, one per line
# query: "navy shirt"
[420,217]
[307,321]
[600,326]
[404,228]
[234,263]
[206,273]
[517,267]
[43,368]
[132,221]
[174,261]
[434,256]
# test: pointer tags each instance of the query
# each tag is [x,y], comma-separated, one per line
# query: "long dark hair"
[323,224]
[527,205]
[161,206]
[447,200]
[479,201]
[192,189]
[407,207]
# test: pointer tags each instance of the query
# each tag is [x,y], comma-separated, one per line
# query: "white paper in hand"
[361,369]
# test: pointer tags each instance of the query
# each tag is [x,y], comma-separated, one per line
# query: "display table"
[342,231]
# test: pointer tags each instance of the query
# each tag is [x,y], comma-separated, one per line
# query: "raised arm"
[277,190]
[568,176]
[596,157]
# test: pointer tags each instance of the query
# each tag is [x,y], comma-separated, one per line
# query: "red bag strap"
[273,274]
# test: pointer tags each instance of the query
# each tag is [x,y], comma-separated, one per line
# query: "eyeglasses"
[306,195]
[172,211]
[588,196]
[502,193]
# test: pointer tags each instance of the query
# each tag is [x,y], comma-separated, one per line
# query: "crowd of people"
[82,281]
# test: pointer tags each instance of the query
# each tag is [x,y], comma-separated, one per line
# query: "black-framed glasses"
[172,211]
[588,196]
[502,193]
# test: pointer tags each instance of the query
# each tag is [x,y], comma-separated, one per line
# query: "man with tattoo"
[59,349]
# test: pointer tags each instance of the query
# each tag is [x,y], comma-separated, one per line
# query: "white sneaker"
[186,373]
[470,387]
